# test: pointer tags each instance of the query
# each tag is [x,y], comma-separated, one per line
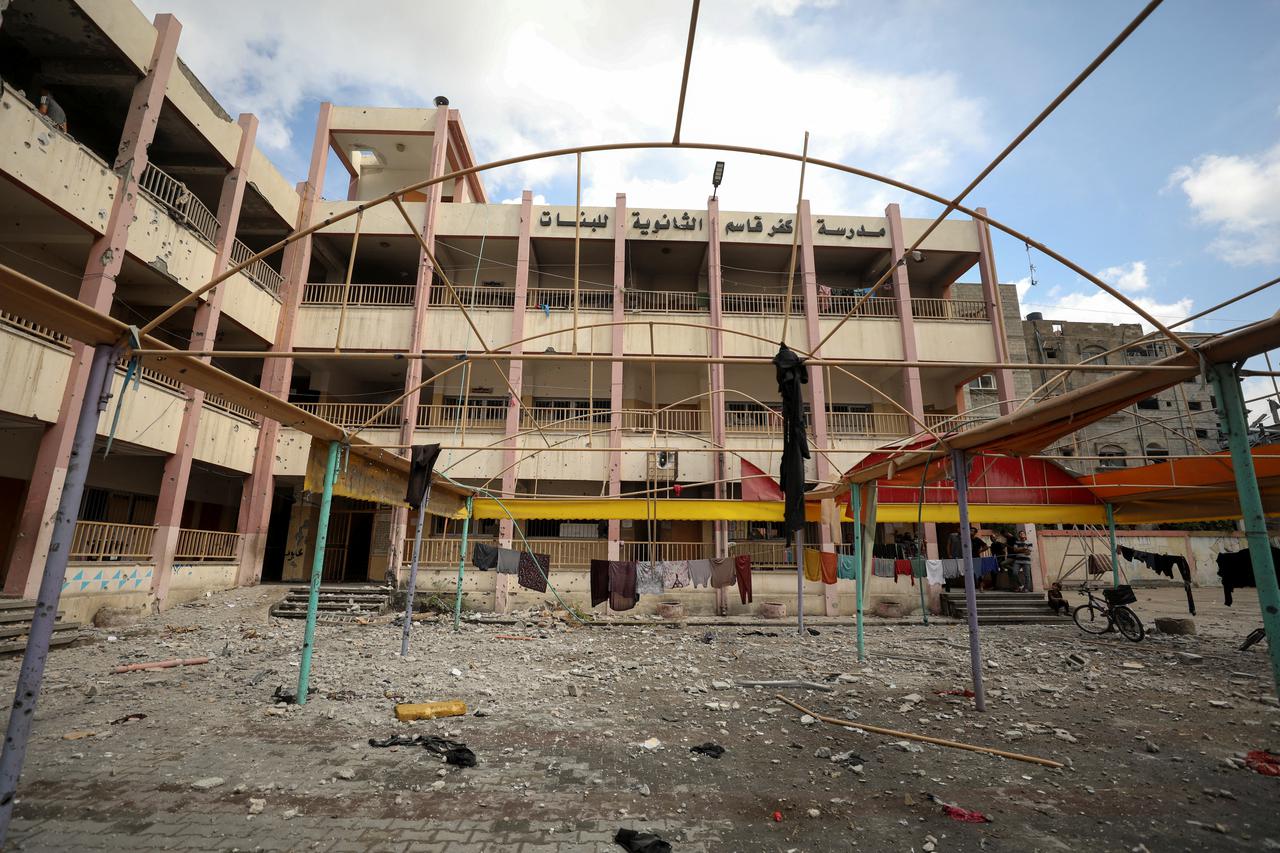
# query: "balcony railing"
[752,422]
[347,415]
[217,401]
[668,420]
[760,303]
[181,203]
[380,295]
[259,272]
[151,376]
[559,298]
[572,554]
[884,307]
[35,330]
[667,301]
[954,423]
[473,297]
[206,546]
[665,551]
[764,555]
[100,540]
[563,419]
[847,424]
[470,417]
[963,310]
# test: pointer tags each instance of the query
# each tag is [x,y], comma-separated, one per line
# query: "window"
[1202,433]
[487,409]
[1149,404]
[1156,450]
[1066,451]
[1195,405]
[565,409]
[1089,352]
[1112,456]
[1050,351]
[985,382]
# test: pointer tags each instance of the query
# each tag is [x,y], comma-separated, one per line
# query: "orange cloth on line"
[812,565]
[830,564]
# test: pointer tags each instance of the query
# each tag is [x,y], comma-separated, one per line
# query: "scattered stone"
[1063,734]
[651,744]
[1183,625]
[572,690]
[289,814]
[1189,657]
[822,752]
[256,805]
[814,813]
[209,783]
[721,685]
[1131,664]
[346,773]
[1152,748]
[806,720]
[908,746]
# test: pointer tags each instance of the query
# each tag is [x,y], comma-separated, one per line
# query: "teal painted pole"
[1115,557]
[462,561]
[857,558]
[1234,422]
[317,572]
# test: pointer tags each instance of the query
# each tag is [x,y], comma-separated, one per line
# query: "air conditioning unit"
[663,465]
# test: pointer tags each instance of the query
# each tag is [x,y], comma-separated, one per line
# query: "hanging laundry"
[648,578]
[599,582]
[1098,565]
[1236,570]
[830,566]
[933,571]
[723,573]
[882,567]
[918,567]
[700,572]
[1148,559]
[742,568]
[622,585]
[675,574]
[952,568]
[533,572]
[903,568]
[812,565]
[484,557]
[508,561]
[847,568]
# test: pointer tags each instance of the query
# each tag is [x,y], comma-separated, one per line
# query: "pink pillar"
[422,302]
[506,528]
[817,384]
[720,470]
[990,281]
[616,367]
[97,288]
[912,394]
[177,468]
[277,373]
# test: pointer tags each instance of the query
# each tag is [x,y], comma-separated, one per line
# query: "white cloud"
[528,77]
[1093,305]
[538,198]
[1240,196]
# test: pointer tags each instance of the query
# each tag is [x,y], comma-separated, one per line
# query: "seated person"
[1056,600]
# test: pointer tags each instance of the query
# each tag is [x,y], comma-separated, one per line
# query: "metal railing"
[667,301]
[151,376]
[473,297]
[206,546]
[953,422]
[181,203]
[760,303]
[752,422]
[25,326]
[221,403]
[764,555]
[471,416]
[832,305]
[102,540]
[666,551]
[563,419]
[964,310]
[867,423]
[669,420]
[259,272]
[560,298]
[347,415]
[569,553]
[380,295]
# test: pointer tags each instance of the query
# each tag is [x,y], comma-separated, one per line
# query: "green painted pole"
[462,561]
[857,558]
[1115,557]
[317,572]
[1234,422]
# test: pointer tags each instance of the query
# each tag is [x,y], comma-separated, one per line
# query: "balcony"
[351,415]
[954,310]
[103,541]
[363,295]
[565,554]
[180,203]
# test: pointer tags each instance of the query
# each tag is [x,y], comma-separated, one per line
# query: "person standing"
[1020,549]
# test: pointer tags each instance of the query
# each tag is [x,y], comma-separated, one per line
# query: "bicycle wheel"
[1128,623]
[1091,619]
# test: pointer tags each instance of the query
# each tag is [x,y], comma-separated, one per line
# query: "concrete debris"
[208,784]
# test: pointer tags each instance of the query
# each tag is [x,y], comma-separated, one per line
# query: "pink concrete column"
[720,470]
[97,288]
[421,304]
[616,347]
[990,282]
[817,385]
[913,397]
[177,468]
[506,528]
[277,373]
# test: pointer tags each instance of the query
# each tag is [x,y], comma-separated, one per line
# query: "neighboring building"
[196,494]
[1177,422]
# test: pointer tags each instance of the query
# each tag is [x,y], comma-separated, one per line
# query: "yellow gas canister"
[406,711]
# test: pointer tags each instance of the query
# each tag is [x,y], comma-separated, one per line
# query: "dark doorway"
[277,534]
[358,542]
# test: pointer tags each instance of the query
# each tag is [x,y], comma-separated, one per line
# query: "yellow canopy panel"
[674,509]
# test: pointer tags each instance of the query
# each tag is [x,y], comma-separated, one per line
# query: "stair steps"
[335,603]
[15,625]
[1004,608]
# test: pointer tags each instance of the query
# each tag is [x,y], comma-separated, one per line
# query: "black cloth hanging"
[421,464]
[795,447]
[1236,570]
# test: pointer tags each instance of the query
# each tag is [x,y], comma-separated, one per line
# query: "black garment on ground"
[640,842]
[484,557]
[791,375]
[713,750]
[421,464]
[454,753]
[599,582]
[533,571]
[1236,570]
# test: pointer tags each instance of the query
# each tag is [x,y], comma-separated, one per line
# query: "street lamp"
[716,176]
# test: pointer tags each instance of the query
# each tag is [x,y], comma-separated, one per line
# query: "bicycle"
[1099,617]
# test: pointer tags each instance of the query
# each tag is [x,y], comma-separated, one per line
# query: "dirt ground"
[580,731]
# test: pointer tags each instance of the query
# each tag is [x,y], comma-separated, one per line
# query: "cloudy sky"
[1161,174]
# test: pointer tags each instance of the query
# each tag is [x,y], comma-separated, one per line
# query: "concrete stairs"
[15,624]
[337,604]
[1004,608]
